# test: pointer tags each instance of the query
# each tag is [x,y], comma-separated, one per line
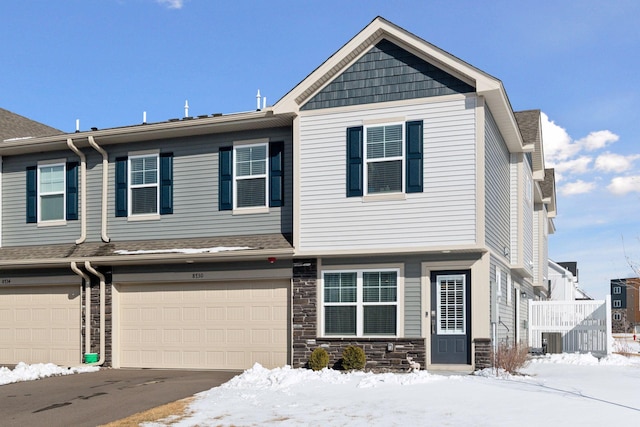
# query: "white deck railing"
[585,325]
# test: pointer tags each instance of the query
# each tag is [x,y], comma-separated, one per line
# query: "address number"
[197,275]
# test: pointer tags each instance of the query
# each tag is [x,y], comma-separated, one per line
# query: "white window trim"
[617,290]
[366,161]
[250,209]
[617,316]
[63,220]
[617,303]
[359,301]
[146,216]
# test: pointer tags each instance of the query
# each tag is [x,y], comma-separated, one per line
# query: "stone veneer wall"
[305,340]
[95,320]
[482,353]
[622,326]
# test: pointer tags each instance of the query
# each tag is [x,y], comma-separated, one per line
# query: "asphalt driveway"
[100,397]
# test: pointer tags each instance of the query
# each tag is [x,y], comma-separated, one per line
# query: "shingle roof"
[529,124]
[13,126]
[548,183]
[240,245]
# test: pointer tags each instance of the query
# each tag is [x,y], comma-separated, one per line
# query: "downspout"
[83,191]
[105,183]
[100,276]
[87,293]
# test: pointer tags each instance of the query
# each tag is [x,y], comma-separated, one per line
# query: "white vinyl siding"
[443,214]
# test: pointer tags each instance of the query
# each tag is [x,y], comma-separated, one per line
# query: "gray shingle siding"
[386,73]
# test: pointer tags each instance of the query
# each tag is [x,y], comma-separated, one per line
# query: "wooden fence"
[585,326]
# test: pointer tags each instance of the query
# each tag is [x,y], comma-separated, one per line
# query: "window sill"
[383,197]
[54,223]
[354,337]
[149,217]
[250,211]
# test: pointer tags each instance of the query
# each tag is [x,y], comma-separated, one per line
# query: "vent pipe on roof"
[258,100]
[186,108]
[144,117]
[264,102]
[77,125]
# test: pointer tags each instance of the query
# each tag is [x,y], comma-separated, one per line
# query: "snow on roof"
[183,251]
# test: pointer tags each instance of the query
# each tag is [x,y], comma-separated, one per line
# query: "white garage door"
[40,325]
[205,325]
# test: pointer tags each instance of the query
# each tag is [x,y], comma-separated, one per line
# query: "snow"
[183,251]
[564,389]
[25,372]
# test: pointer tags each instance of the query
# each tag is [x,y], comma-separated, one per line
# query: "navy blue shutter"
[121,187]
[225,179]
[276,174]
[166,183]
[72,191]
[354,161]
[414,153]
[32,194]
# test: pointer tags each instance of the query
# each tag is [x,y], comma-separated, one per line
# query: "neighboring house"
[16,127]
[563,282]
[625,305]
[391,200]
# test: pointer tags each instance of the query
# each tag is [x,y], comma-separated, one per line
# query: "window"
[617,303]
[617,290]
[385,159]
[251,175]
[361,303]
[451,304]
[144,185]
[250,189]
[52,192]
[617,316]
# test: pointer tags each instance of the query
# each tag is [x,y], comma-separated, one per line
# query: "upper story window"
[250,184]
[251,176]
[617,289]
[386,158]
[52,192]
[361,303]
[617,303]
[144,185]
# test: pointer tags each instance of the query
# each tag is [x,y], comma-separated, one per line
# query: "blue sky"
[104,62]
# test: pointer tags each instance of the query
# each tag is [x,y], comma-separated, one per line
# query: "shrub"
[353,357]
[511,358]
[319,359]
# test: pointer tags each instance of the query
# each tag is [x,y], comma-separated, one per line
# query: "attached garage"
[203,325]
[40,324]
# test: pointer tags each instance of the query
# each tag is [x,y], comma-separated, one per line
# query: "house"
[391,200]
[625,305]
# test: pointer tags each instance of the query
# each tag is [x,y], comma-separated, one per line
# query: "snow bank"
[24,372]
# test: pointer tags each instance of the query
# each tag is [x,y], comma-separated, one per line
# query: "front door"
[451,317]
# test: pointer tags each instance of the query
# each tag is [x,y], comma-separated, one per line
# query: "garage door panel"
[205,325]
[40,325]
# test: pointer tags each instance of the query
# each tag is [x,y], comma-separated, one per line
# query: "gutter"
[105,182]
[83,191]
[87,293]
[100,276]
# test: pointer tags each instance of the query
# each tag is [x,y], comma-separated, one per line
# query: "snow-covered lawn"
[24,372]
[557,390]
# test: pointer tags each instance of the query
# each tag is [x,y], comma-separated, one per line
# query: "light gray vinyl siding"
[527,217]
[15,230]
[412,286]
[497,193]
[537,243]
[514,218]
[505,322]
[444,214]
[195,195]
